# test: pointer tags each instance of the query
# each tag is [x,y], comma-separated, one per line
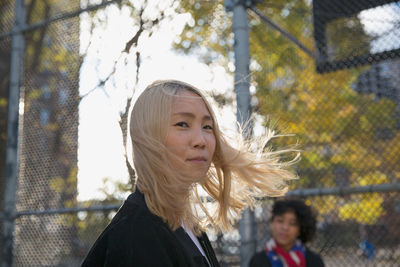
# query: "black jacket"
[136,237]
[260,259]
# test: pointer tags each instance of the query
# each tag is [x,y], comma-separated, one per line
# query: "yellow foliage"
[373,178]
[391,152]
[52,126]
[56,184]
[325,138]
[324,205]
[346,111]
[67,185]
[34,94]
[3,102]
[366,210]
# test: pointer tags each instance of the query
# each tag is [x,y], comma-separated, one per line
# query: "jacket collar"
[136,197]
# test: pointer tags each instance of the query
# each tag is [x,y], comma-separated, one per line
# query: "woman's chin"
[199,177]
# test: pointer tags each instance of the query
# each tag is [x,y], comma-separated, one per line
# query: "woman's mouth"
[197,159]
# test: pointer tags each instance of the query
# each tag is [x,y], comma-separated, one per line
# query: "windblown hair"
[305,215]
[237,175]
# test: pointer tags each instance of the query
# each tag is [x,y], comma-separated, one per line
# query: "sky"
[101,151]
[383,22]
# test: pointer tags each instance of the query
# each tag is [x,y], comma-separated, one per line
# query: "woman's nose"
[198,139]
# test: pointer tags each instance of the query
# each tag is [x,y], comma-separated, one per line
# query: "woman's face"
[190,135]
[285,229]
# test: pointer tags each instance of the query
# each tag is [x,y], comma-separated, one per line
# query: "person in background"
[177,149]
[293,224]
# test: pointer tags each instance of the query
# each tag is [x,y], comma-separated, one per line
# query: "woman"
[293,224]
[177,147]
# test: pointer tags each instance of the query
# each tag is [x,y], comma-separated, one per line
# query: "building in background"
[382,80]
[49,136]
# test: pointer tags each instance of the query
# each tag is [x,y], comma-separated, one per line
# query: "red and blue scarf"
[279,257]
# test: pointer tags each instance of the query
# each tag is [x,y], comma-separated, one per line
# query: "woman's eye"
[182,124]
[208,127]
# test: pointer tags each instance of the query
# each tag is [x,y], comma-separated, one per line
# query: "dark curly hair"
[305,214]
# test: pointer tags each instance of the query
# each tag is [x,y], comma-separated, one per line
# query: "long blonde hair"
[235,179]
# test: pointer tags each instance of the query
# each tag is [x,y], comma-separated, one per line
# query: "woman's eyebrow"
[185,114]
[191,115]
[207,118]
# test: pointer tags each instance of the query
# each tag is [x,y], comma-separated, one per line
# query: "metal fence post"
[16,67]
[242,82]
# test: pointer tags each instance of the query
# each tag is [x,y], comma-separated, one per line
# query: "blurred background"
[326,71]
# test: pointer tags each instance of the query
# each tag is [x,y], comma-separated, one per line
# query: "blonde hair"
[235,179]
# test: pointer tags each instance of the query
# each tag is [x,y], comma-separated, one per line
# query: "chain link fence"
[342,100]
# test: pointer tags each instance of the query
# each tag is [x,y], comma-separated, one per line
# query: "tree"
[340,131]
